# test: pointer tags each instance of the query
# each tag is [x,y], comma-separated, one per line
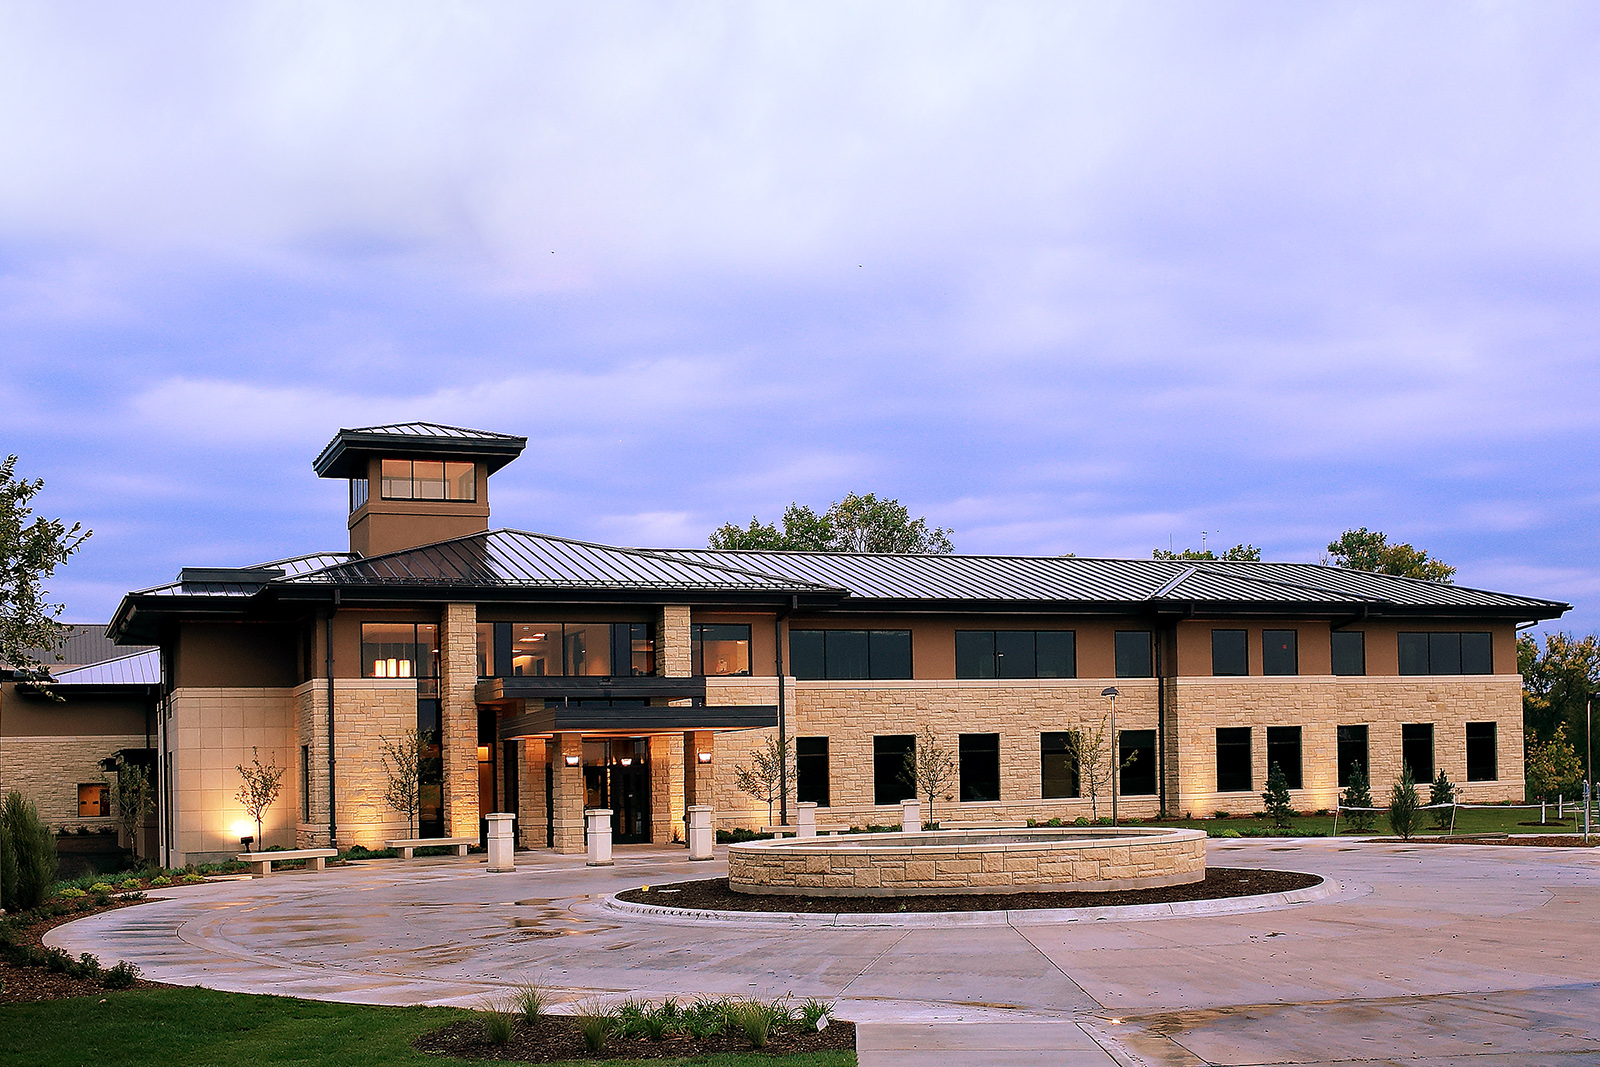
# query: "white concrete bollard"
[502,846]
[599,835]
[805,819]
[701,836]
[911,816]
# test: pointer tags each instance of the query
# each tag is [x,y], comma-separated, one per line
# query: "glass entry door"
[616,775]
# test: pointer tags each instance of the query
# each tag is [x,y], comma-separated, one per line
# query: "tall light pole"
[1116,754]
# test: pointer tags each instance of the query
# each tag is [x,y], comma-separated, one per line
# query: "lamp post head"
[1109,691]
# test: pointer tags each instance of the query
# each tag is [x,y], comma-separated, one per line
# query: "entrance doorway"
[616,775]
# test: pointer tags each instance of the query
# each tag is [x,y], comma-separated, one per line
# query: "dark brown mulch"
[1536,840]
[556,1037]
[713,894]
[25,984]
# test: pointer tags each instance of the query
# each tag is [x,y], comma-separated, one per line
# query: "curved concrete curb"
[1329,889]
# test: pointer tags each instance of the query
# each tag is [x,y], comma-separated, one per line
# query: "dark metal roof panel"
[349,450]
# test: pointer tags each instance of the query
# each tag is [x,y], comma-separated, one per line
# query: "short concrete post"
[805,819]
[599,822]
[911,816]
[701,836]
[502,846]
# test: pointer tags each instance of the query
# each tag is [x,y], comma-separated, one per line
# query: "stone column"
[531,814]
[698,778]
[666,788]
[458,715]
[673,659]
[568,792]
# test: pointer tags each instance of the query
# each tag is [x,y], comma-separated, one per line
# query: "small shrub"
[193,877]
[128,885]
[815,1014]
[530,1000]
[28,861]
[755,1020]
[497,1027]
[1081,820]
[123,975]
[596,1029]
[1031,823]
[88,966]
[1221,815]
[102,889]
[1276,798]
[71,893]
[1358,794]
[160,881]
[1403,804]
[57,962]
[1222,832]
[1054,822]
[1443,791]
[630,1017]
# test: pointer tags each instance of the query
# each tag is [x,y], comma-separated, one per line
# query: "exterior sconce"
[572,761]
[703,757]
[626,761]
[483,753]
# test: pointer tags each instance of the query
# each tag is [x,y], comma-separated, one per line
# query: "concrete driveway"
[1422,955]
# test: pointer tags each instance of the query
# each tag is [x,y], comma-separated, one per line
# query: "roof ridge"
[426,422]
[1285,584]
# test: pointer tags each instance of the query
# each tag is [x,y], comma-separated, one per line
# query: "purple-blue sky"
[1065,277]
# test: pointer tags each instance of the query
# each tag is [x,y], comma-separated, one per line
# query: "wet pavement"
[1419,955]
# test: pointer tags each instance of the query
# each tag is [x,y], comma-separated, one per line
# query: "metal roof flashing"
[346,455]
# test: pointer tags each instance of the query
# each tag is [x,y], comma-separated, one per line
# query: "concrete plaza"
[1416,954]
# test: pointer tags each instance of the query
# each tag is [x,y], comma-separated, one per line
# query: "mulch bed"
[1536,840]
[20,985]
[556,1037]
[713,894]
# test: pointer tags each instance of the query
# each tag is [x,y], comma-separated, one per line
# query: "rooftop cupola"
[414,483]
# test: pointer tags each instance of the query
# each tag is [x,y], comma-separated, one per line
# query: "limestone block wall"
[48,770]
[366,710]
[458,712]
[211,732]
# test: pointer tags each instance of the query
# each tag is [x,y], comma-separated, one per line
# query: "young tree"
[931,769]
[858,523]
[1364,550]
[30,552]
[1358,794]
[1552,767]
[402,767]
[1442,791]
[1091,748]
[764,776]
[1276,798]
[134,798]
[1403,804]
[260,787]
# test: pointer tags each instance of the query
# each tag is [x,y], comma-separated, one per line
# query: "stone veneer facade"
[48,769]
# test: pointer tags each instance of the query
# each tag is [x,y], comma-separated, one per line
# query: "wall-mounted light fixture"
[572,761]
[703,757]
[626,761]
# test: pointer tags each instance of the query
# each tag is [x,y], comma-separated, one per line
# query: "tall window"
[720,648]
[848,654]
[1416,748]
[1058,766]
[1016,654]
[1483,762]
[1229,652]
[890,782]
[555,649]
[429,479]
[1280,652]
[811,770]
[1136,750]
[1352,752]
[1349,649]
[980,767]
[305,783]
[1233,760]
[399,650]
[1283,748]
[359,488]
[1133,654]
[1446,653]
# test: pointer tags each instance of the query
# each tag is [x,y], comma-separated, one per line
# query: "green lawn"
[204,1028]
[1468,821]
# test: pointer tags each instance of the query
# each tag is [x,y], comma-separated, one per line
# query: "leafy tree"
[1238,553]
[764,777]
[134,799]
[1370,550]
[1090,748]
[1557,681]
[931,769]
[858,523]
[30,552]
[259,790]
[402,767]
[27,855]
[1358,794]
[1276,798]
[1442,791]
[1552,767]
[1403,804]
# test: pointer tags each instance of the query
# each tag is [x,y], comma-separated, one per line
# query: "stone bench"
[261,862]
[406,847]
[978,824]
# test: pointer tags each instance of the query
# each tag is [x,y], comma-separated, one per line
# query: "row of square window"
[978,761]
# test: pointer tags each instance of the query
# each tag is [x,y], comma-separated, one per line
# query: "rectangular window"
[980,767]
[1280,652]
[1229,652]
[1233,760]
[1013,654]
[1058,766]
[1352,752]
[1483,758]
[890,782]
[1133,654]
[1283,748]
[1016,654]
[811,770]
[720,649]
[850,654]
[1137,760]
[974,653]
[305,783]
[94,800]
[485,639]
[633,651]
[1056,654]
[399,650]
[1446,653]
[1416,748]
[358,492]
[1349,648]
[428,479]
[536,649]
[589,649]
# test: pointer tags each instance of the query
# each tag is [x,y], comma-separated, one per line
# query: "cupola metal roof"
[347,454]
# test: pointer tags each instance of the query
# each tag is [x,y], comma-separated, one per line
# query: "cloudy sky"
[1065,277]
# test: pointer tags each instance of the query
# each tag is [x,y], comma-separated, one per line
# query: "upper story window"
[429,479]
[1280,652]
[1446,653]
[817,654]
[1016,654]
[1229,652]
[720,648]
[1349,649]
[358,492]
[1133,654]
[399,650]
[557,649]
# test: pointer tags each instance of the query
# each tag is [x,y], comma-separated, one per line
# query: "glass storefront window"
[536,649]
[720,649]
[589,649]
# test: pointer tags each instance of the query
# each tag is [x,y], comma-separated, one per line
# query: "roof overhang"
[542,722]
[347,454]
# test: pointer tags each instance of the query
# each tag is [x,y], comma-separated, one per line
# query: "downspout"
[1161,719]
[333,819]
[783,724]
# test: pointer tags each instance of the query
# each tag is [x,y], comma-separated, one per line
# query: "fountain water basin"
[1032,860]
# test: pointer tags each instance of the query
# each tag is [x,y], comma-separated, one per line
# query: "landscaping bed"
[57,979]
[713,894]
[556,1039]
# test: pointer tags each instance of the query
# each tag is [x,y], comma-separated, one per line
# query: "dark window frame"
[101,794]
[697,640]
[1288,754]
[416,644]
[1476,759]
[410,480]
[1273,659]
[1220,653]
[883,655]
[807,773]
[1233,779]
[1444,652]
[1062,746]
[971,653]
[1346,739]
[1335,657]
[1119,654]
[888,768]
[1412,743]
[1137,743]
[984,767]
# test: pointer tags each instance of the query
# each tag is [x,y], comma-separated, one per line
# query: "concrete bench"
[261,862]
[407,847]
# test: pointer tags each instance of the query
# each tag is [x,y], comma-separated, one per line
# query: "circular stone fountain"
[1034,860]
